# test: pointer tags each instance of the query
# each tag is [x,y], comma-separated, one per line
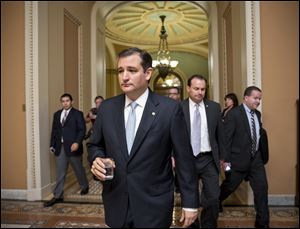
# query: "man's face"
[197,90]
[132,78]
[98,102]
[66,103]
[253,100]
[173,94]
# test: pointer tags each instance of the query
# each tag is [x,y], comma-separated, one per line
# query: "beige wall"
[81,11]
[280,84]
[13,134]
[13,144]
[71,62]
[280,79]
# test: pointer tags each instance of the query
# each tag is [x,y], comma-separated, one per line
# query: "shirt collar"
[247,108]
[67,110]
[192,103]
[141,101]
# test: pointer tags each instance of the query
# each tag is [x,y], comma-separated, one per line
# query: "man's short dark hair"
[197,76]
[66,95]
[98,97]
[145,56]
[249,90]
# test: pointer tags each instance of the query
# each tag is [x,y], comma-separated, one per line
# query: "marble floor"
[87,212]
[24,214]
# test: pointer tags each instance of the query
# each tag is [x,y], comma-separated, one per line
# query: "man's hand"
[74,147]
[98,167]
[222,164]
[188,217]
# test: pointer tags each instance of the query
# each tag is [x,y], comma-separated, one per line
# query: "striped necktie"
[254,137]
[64,118]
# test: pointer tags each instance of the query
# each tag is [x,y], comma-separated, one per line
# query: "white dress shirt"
[141,101]
[248,112]
[205,143]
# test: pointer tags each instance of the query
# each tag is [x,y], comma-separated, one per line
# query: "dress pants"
[256,175]
[208,173]
[62,163]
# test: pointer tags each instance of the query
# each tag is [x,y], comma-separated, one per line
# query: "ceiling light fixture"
[163,63]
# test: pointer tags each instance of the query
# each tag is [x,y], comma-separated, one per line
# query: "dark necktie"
[254,137]
[130,126]
[196,131]
[64,118]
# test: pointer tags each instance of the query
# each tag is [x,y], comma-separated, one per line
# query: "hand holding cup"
[103,168]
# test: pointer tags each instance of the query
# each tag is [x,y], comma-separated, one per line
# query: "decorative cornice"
[72,18]
[253,43]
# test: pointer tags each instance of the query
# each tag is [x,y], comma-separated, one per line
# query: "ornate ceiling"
[138,23]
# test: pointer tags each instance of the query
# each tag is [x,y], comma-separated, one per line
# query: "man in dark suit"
[242,137]
[139,129]
[203,119]
[68,130]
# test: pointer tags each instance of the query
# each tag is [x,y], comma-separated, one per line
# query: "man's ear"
[149,72]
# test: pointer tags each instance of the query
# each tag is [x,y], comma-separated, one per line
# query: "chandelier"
[163,63]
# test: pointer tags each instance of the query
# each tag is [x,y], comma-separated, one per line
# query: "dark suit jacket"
[263,145]
[144,180]
[213,116]
[238,138]
[73,131]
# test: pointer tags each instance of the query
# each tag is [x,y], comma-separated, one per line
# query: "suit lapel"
[208,119]
[68,116]
[150,113]
[245,119]
[58,118]
[120,125]
[186,111]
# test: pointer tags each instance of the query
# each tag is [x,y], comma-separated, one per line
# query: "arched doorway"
[161,86]
[101,12]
